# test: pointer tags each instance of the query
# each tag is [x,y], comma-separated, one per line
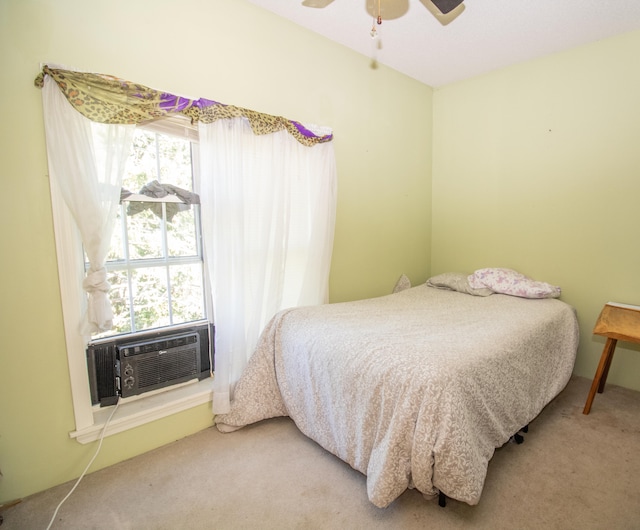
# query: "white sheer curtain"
[268,214]
[87,161]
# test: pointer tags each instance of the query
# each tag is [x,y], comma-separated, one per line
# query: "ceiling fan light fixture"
[316,3]
[387,9]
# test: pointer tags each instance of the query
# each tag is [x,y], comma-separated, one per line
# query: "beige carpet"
[572,471]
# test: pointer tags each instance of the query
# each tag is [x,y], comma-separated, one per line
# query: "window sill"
[136,411]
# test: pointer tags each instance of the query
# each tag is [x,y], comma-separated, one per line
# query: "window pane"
[119,296]
[116,251]
[144,230]
[150,298]
[142,164]
[187,293]
[175,161]
[181,234]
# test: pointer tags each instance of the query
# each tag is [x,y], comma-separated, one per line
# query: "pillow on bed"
[507,281]
[402,284]
[456,281]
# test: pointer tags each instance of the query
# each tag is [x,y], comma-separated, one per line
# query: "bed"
[415,389]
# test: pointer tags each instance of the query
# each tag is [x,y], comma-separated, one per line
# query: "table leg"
[611,343]
[601,373]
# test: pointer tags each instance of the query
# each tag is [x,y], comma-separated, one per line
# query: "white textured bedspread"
[415,389]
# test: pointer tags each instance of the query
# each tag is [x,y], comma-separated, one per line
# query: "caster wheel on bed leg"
[525,429]
[517,438]
[442,500]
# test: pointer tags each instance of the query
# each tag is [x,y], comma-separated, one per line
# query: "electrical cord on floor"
[102,433]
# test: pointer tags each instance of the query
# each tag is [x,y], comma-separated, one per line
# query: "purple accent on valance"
[203,103]
[170,102]
[306,132]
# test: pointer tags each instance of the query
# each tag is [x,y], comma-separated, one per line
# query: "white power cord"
[102,433]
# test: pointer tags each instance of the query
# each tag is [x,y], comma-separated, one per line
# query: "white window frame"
[132,412]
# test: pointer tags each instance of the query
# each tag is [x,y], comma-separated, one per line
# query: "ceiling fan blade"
[316,3]
[441,17]
[444,6]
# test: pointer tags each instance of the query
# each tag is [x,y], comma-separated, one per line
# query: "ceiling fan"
[443,10]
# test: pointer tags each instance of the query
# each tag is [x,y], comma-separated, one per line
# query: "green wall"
[231,51]
[537,168]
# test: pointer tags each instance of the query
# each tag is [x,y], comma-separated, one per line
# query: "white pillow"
[507,281]
[456,281]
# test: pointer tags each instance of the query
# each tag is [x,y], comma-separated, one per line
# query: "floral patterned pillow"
[507,281]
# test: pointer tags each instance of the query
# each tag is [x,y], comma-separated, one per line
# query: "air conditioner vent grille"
[153,371]
[147,347]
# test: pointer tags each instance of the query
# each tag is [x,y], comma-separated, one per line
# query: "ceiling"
[486,35]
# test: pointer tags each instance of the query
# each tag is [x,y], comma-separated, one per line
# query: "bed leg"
[517,437]
[442,499]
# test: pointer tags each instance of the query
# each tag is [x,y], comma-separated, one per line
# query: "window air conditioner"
[128,365]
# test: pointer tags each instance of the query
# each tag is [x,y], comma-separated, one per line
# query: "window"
[155,262]
[171,246]
[238,145]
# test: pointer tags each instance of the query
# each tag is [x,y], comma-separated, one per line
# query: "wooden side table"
[616,322]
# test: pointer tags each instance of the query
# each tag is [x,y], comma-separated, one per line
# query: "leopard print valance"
[108,99]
